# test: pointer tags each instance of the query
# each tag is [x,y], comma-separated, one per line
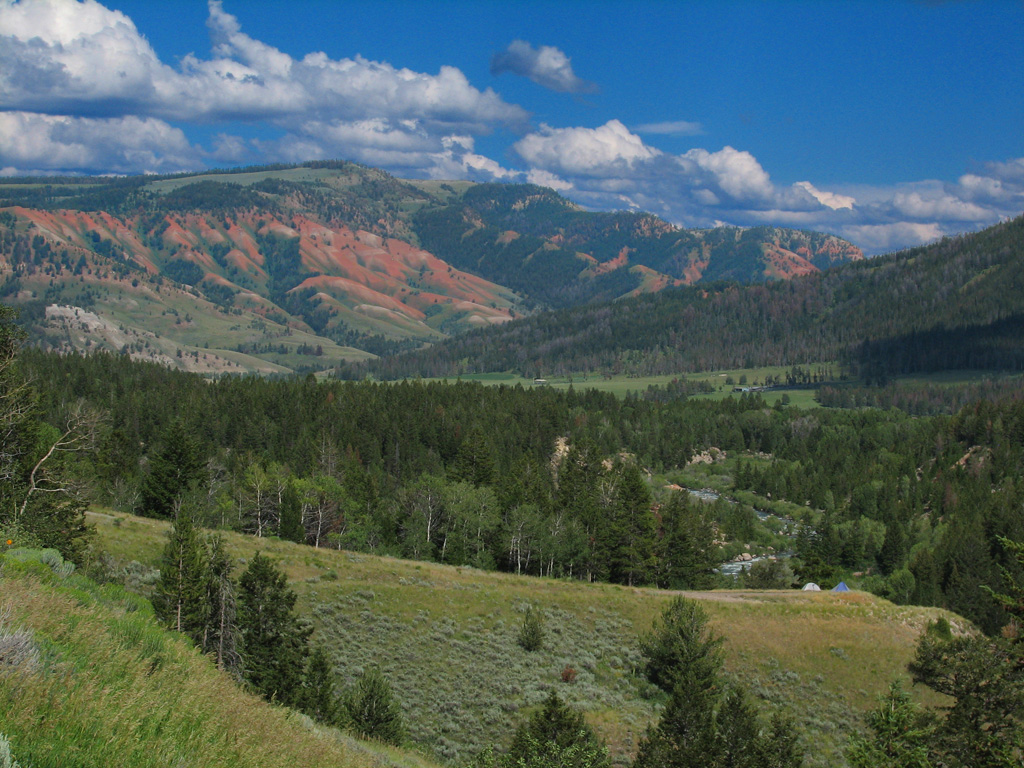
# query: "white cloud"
[32,142]
[404,148]
[610,167]
[1010,171]
[734,172]
[828,199]
[66,57]
[81,89]
[231,149]
[877,238]
[546,179]
[674,128]
[914,205]
[63,57]
[547,66]
[602,151]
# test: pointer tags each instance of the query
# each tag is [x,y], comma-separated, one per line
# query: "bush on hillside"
[531,632]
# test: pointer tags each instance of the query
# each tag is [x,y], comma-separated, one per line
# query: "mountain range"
[287,268]
[954,304]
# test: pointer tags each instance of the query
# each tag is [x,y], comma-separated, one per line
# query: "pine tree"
[177,467]
[474,462]
[291,528]
[683,738]
[631,536]
[221,629]
[181,599]
[271,640]
[556,736]
[372,711]
[576,494]
[680,651]
[900,734]
[531,632]
[685,556]
[319,700]
[704,723]
[736,731]
[984,726]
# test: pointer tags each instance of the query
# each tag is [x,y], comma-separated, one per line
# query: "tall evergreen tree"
[474,462]
[632,532]
[684,551]
[984,678]
[291,528]
[271,639]
[319,699]
[219,639]
[556,736]
[704,723]
[680,651]
[177,467]
[181,599]
[576,494]
[900,734]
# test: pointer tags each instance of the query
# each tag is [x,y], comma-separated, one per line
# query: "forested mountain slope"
[541,245]
[212,276]
[958,303]
[298,267]
[419,470]
[578,485]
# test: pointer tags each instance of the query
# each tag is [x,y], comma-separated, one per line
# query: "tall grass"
[447,639]
[111,688]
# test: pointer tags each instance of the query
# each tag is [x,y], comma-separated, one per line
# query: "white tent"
[810,586]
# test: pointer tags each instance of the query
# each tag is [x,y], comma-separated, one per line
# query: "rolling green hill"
[88,679]
[446,637]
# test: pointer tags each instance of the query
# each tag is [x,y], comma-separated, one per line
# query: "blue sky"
[890,123]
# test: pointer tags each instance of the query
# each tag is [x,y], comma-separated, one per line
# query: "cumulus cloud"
[405,148]
[32,142]
[547,66]
[599,152]
[612,167]
[828,199]
[69,58]
[81,89]
[878,238]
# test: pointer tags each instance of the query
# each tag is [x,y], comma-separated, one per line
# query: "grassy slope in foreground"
[112,689]
[447,639]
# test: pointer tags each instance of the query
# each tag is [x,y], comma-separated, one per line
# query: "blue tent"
[841,587]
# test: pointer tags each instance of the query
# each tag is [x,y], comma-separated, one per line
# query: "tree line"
[418,470]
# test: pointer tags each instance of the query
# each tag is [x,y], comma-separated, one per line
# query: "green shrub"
[372,711]
[531,632]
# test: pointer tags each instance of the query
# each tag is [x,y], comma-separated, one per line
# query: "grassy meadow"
[620,385]
[801,397]
[100,683]
[446,637]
